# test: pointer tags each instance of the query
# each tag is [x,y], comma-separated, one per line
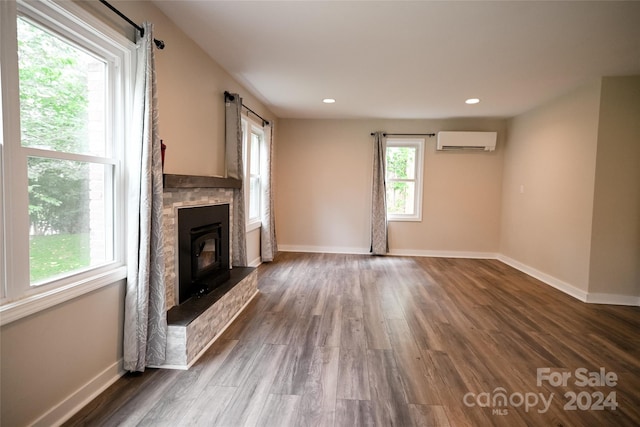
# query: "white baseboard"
[546,278]
[591,298]
[256,262]
[393,252]
[443,254]
[323,249]
[81,397]
[613,299]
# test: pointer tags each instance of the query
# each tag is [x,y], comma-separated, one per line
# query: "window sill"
[253,226]
[405,219]
[16,310]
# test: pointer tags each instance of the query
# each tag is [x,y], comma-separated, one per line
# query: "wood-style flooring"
[355,340]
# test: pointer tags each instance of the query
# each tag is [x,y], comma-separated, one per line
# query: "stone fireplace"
[215,293]
[186,194]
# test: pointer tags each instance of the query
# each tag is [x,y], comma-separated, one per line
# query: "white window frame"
[19,298]
[248,127]
[418,145]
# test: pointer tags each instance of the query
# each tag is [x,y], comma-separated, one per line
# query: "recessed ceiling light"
[329,100]
[472,101]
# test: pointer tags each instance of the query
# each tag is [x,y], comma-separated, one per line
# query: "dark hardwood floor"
[349,340]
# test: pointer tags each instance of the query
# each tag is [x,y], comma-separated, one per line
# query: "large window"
[253,138]
[64,91]
[63,121]
[404,160]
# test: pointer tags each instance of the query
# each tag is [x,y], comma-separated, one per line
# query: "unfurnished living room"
[332,213]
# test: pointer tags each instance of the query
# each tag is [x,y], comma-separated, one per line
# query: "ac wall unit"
[485,141]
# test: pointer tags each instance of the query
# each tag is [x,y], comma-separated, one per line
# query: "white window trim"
[16,310]
[418,143]
[77,22]
[249,124]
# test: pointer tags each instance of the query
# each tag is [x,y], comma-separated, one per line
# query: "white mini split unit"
[482,141]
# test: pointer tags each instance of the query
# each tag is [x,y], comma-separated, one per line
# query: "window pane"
[254,198]
[255,154]
[62,94]
[400,198]
[401,162]
[70,216]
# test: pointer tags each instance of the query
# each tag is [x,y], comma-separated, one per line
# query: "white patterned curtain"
[268,244]
[235,169]
[145,321]
[379,232]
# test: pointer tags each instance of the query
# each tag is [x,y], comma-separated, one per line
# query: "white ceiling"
[420,59]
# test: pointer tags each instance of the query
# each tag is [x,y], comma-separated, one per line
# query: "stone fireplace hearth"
[195,325]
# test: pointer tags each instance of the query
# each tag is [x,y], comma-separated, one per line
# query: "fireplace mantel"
[195,181]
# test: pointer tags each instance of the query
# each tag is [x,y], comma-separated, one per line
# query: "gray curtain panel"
[145,319]
[269,246]
[235,169]
[379,233]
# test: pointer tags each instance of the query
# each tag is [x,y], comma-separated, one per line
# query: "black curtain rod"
[159,43]
[406,134]
[231,97]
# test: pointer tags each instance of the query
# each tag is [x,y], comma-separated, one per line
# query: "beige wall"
[615,241]
[190,97]
[48,357]
[551,155]
[190,92]
[323,197]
